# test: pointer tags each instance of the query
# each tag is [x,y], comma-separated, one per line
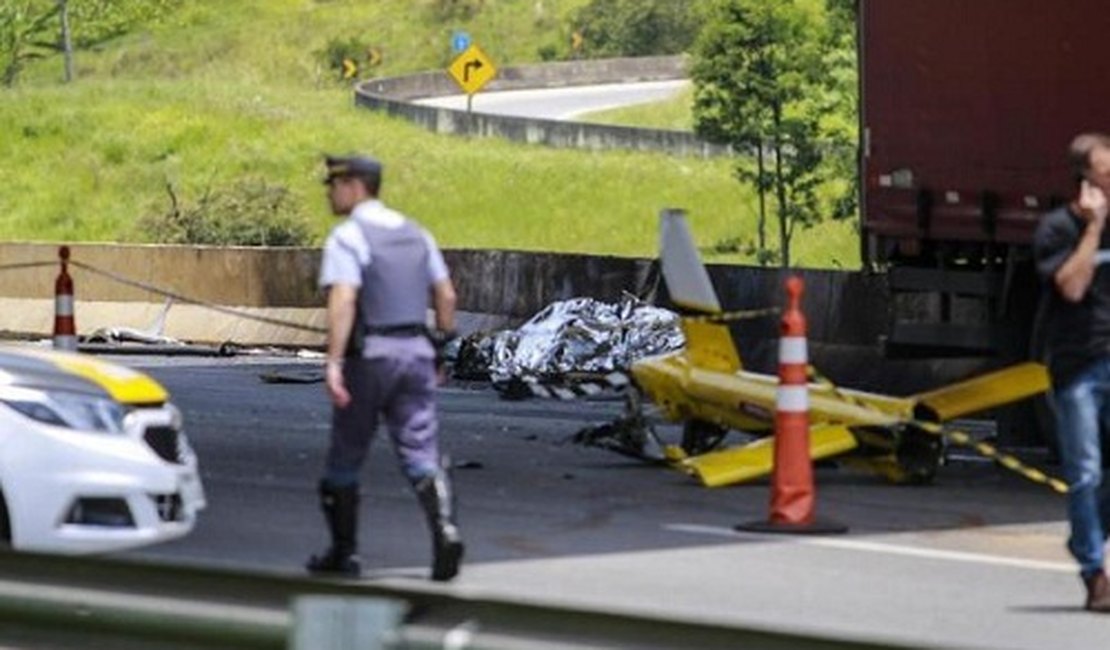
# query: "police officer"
[382,272]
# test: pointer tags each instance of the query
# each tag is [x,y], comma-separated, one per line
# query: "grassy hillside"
[226,90]
[672,113]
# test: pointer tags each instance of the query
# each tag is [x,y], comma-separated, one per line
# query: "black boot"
[340,506]
[437,499]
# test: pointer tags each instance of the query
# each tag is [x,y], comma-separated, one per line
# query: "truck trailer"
[967,108]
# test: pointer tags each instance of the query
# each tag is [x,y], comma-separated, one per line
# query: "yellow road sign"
[472,70]
[350,69]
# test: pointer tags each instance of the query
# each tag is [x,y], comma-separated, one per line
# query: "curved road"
[974,561]
[562,103]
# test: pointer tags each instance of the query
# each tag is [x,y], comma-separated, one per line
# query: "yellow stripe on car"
[125,385]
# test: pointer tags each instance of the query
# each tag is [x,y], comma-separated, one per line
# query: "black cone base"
[818,526]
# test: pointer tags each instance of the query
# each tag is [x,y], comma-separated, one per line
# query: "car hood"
[48,369]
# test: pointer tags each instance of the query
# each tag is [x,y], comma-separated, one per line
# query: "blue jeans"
[1082,408]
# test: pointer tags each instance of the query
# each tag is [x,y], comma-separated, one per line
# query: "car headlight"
[67,409]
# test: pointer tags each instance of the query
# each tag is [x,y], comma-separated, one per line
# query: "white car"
[92,456]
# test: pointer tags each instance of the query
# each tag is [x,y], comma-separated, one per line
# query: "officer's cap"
[356,166]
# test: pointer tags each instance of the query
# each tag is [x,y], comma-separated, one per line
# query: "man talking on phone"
[1070,246]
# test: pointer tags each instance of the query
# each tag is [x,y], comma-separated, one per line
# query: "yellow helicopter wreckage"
[705,387]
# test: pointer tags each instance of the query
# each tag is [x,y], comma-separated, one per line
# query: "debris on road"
[568,341]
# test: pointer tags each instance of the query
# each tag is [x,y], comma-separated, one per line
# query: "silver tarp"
[572,337]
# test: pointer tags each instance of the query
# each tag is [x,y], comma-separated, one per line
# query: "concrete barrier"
[247,276]
[394,95]
[271,283]
[848,312]
[541,75]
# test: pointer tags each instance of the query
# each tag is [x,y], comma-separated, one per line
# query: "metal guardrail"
[123,603]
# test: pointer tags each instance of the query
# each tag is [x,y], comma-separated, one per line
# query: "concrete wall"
[268,283]
[253,277]
[516,285]
[495,287]
[394,95]
[847,311]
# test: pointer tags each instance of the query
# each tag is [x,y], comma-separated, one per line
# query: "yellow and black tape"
[987,450]
[732,316]
[960,438]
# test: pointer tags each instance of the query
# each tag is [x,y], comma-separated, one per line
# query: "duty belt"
[397,331]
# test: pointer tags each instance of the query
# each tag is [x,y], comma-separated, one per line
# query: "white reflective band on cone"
[792,399]
[65,342]
[792,349]
[63,304]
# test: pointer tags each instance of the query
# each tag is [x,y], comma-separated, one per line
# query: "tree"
[636,27]
[24,27]
[97,21]
[33,29]
[66,40]
[763,81]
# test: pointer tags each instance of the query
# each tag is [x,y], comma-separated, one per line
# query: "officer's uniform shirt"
[347,252]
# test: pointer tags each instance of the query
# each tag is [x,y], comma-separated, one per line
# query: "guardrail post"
[339,623]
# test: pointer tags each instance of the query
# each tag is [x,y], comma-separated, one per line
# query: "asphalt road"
[973,561]
[562,103]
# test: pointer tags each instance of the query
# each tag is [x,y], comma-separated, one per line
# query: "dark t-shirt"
[1077,333]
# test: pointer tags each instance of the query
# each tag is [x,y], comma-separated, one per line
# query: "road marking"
[878,547]
[460,637]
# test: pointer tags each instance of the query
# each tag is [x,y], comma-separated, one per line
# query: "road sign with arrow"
[350,69]
[576,40]
[472,69]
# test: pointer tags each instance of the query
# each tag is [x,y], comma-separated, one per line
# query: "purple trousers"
[400,388]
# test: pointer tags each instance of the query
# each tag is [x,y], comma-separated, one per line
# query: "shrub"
[636,27]
[455,10]
[248,213]
[337,50]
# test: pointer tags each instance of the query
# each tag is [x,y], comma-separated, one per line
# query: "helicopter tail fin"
[709,345]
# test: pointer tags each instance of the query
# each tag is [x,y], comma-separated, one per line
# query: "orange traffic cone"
[65,328]
[792,491]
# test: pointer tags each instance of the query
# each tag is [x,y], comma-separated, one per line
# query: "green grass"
[672,113]
[232,89]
